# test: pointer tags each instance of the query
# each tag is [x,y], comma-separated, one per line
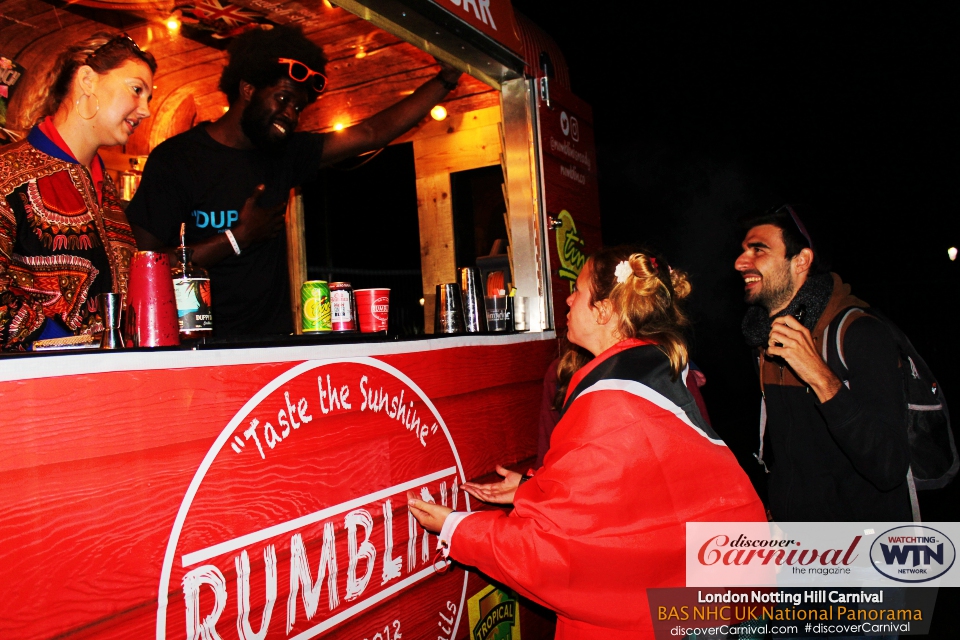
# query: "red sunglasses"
[300,72]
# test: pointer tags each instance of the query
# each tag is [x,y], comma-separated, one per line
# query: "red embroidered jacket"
[59,246]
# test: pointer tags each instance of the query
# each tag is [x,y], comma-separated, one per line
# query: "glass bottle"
[191,285]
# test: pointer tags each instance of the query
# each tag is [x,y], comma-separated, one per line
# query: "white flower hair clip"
[622,271]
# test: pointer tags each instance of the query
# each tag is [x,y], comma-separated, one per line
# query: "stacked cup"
[151,305]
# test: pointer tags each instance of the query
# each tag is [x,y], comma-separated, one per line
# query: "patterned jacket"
[59,246]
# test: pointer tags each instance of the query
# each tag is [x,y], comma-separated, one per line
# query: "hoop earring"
[76,105]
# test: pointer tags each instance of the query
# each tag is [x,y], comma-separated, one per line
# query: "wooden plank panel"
[165,122]
[296,255]
[345,40]
[458,151]
[459,122]
[437,255]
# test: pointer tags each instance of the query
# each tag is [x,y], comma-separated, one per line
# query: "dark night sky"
[701,115]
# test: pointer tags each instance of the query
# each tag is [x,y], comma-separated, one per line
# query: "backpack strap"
[833,341]
[763,433]
[833,355]
[914,501]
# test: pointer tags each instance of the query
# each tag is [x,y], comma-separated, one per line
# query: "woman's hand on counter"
[429,514]
[497,492]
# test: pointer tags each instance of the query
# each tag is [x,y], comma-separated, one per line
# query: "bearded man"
[229,180]
[835,450]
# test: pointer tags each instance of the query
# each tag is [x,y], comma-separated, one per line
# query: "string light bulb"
[338,126]
[952,253]
[173,23]
[438,113]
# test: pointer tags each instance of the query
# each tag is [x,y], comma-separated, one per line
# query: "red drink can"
[343,309]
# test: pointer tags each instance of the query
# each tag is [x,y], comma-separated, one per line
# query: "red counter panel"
[250,494]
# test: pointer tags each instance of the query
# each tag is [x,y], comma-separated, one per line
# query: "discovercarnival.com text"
[755,629]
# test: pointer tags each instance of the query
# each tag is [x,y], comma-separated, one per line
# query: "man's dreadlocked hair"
[253,58]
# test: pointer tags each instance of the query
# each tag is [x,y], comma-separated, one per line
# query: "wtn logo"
[912,554]
[215,219]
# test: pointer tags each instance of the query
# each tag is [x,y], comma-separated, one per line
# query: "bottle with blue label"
[191,285]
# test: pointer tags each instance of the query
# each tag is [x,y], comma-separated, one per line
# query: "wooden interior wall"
[459,143]
[368,69]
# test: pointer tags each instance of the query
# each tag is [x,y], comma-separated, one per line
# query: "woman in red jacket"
[630,462]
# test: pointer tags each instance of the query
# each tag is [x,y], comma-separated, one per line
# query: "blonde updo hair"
[648,299]
[647,303]
[102,51]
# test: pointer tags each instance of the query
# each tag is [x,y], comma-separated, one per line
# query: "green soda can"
[315,307]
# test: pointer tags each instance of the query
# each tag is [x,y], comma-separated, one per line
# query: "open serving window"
[507,173]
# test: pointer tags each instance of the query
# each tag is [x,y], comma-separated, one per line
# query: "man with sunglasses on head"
[229,180]
[835,450]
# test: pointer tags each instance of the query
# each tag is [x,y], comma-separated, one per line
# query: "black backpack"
[933,454]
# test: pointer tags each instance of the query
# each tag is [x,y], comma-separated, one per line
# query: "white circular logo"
[912,553]
[296,521]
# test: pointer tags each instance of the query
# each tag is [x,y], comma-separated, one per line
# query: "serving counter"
[253,492]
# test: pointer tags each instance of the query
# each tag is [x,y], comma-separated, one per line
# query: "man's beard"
[257,124]
[776,291]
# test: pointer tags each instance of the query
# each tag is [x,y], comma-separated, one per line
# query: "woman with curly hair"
[64,237]
[630,462]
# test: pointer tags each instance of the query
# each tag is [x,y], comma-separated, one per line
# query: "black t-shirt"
[193,178]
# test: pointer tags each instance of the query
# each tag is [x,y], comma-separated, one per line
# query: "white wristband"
[233,241]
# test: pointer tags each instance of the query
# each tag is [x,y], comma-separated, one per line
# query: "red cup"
[373,309]
[151,305]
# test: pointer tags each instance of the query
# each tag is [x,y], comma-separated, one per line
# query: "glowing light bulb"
[361,53]
[173,23]
[438,112]
[952,252]
[421,302]
[338,126]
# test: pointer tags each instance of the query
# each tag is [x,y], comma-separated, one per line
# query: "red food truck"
[259,490]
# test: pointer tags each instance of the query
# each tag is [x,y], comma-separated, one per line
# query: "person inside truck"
[229,180]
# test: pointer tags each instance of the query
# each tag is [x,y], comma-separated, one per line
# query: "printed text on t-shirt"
[215,219]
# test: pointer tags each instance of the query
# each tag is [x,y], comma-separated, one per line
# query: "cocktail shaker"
[448,317]
[470,290]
